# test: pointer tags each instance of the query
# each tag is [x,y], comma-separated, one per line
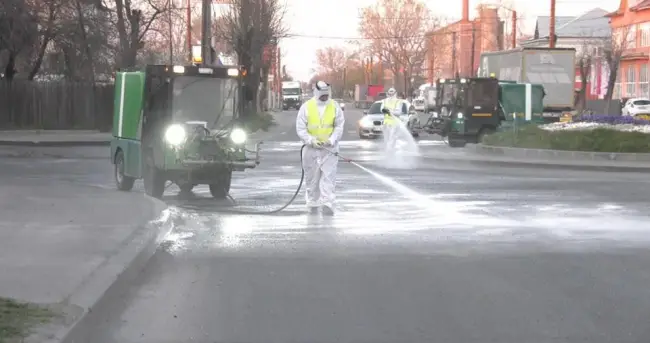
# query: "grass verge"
[17,318]
[596,140]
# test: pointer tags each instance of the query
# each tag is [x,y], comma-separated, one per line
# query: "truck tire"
[221,188]
[455,142]
[123,182]
[483,133]
[154,179]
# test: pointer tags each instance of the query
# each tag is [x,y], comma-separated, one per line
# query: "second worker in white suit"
[319,125]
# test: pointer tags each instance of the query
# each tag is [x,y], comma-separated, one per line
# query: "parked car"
[636,106]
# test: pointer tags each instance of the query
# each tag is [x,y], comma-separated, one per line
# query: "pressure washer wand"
[337,155]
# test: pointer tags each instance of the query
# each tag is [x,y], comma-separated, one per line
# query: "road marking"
[121,117]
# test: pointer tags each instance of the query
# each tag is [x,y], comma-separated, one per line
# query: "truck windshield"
[200,98]
[290,91]
[483,94]
[452,93]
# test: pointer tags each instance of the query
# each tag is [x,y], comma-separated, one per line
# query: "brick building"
[456,48]
[631,33]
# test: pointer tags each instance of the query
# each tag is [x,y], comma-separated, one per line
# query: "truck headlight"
[460,115]
[238,136]
[175,134]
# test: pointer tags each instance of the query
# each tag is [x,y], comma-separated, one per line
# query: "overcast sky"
[309,20]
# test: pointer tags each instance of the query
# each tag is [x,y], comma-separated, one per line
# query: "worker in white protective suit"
[391,107]
[319,125]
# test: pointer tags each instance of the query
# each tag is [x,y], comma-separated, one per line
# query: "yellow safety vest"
[389,120]
[318,127]
[391,104]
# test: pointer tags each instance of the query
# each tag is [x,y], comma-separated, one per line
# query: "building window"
[630,81]
[644,88]
[644,31]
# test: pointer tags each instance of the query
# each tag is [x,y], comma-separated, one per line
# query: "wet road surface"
[444,254]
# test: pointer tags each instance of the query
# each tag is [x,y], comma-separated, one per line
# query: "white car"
[370,125]
[636,106]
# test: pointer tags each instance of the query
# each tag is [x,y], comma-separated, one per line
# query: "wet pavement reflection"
[441,253]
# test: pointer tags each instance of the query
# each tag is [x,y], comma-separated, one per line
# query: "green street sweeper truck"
[179,124]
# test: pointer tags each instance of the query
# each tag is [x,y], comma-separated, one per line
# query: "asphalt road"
[441,253]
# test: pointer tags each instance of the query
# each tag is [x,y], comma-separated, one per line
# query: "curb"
[560,154]
[54,143]
[109,280]
[541,165]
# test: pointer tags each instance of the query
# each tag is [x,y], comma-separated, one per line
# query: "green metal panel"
[129,90]
[513,100]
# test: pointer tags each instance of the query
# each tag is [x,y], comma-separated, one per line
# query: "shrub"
[596,140]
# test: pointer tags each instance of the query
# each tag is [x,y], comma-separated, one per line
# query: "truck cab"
[466,110]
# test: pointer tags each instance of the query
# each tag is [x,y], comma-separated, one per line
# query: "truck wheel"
[123,182]
[154,180]
[456,142]
[483,133]
[221,188]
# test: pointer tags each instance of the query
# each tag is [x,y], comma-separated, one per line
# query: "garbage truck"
[179,124]
[554,69]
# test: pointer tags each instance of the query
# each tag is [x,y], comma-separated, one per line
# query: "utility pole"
[345,79]
[551,33]
[171,35]
[471,63]
[453,53]
[514,29]
[372,79]
[206,32]
[189,30]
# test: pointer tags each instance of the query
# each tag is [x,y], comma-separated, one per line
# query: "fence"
[58,105]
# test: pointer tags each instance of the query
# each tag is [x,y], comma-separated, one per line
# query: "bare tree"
[18,32]
[397,29]
[249,27]
[133,21]
[331,59]
[613,51]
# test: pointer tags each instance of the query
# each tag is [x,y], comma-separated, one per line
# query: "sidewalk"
[53,138]
[68,245]
[550,159]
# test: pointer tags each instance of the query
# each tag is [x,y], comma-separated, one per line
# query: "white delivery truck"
[291,95]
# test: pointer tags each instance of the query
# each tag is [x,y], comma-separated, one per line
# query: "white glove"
[329,143]
[316,144]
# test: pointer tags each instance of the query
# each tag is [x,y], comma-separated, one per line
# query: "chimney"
[465,11]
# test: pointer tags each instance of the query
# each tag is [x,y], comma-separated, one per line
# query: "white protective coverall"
[319,164]
[393,104]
